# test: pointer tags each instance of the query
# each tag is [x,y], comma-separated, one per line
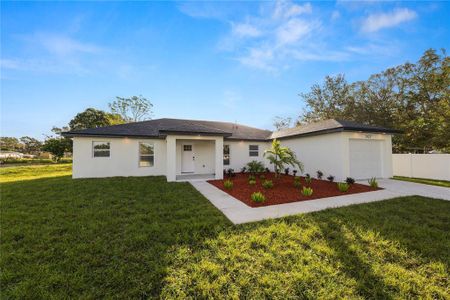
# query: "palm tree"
[281,156]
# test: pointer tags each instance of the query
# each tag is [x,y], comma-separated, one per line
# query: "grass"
[32,161]
[146,238]
[443,183]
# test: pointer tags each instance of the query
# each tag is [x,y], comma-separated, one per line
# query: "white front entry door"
[187,159]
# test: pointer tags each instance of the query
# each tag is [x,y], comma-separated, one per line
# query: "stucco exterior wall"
[173,155]
[123,160]
[239,154]
[330,153]
[203,151]
[320,152]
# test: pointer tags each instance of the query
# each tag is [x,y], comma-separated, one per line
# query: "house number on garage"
[368,136]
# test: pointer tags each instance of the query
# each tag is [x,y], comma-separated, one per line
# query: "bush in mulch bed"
[307,191]
[283,190]
[228,184]
[297,182]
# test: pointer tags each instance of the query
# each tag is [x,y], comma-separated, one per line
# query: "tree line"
[412,97]
[122,110]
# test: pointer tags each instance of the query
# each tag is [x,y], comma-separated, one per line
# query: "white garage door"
[365,159]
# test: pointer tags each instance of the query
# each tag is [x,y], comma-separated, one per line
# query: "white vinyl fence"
[432,166]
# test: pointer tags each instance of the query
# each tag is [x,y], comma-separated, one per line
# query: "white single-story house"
[181,149]
[11,154]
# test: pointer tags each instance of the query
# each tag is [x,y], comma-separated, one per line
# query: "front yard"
[145,238]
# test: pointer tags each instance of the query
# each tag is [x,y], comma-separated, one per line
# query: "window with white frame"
[253,150]
[146,155]
[101,149]
[226,155]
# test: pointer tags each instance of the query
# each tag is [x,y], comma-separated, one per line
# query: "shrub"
[230,172]
[258,197]
[286,171]
[262,176]
[243,169]
[228,184]
[330,178]
[307,175]
[297,182]
[350,180]
[252,182]
[373,182]
[267,170]
[343,186]
[251,177]
[267,184]
[294,172]
[255,167]
[307,191]
[319,174]
[280,157]
[308,179]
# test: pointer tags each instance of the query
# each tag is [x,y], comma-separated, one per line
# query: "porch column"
[219,158]
[171,166]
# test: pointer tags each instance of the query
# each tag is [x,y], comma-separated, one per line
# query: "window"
[226,155]
[146,155]
[187,147]
[253,150]
[101,149]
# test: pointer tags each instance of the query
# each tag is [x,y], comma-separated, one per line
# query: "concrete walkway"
[238,212]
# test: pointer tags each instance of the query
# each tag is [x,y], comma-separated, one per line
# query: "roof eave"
[374,130]
[166,132]
[70,134]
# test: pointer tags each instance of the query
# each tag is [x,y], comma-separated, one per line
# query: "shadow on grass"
[368,284]
[419,224]
[95,238]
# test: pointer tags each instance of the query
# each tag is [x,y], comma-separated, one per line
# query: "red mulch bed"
[284,190]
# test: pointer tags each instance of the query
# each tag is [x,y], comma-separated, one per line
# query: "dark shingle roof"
[327,126]
[159,128]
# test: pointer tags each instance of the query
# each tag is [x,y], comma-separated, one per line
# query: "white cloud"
[376,22]
[282,33]
[293,30]
[335,15]
[287,9]
[53,53]
[246,30]
[258,58]
[43,66]
[63,45]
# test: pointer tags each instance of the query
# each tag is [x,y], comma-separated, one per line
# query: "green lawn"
[146,238]
[443,183]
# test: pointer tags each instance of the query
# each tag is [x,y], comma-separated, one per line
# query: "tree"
[10,144]
[281,123]
[31,145]
[413,97]
[133,109]
[58,132]
[92,118]
[281,156]
[57,147]
[333,99]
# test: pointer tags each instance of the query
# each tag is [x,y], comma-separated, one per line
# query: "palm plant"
[281,156]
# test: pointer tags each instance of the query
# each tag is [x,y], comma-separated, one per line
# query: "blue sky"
[231,61]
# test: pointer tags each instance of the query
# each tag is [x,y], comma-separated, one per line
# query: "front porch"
[195,177]
[194,157]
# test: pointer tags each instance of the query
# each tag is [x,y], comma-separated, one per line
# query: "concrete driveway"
[238,213]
